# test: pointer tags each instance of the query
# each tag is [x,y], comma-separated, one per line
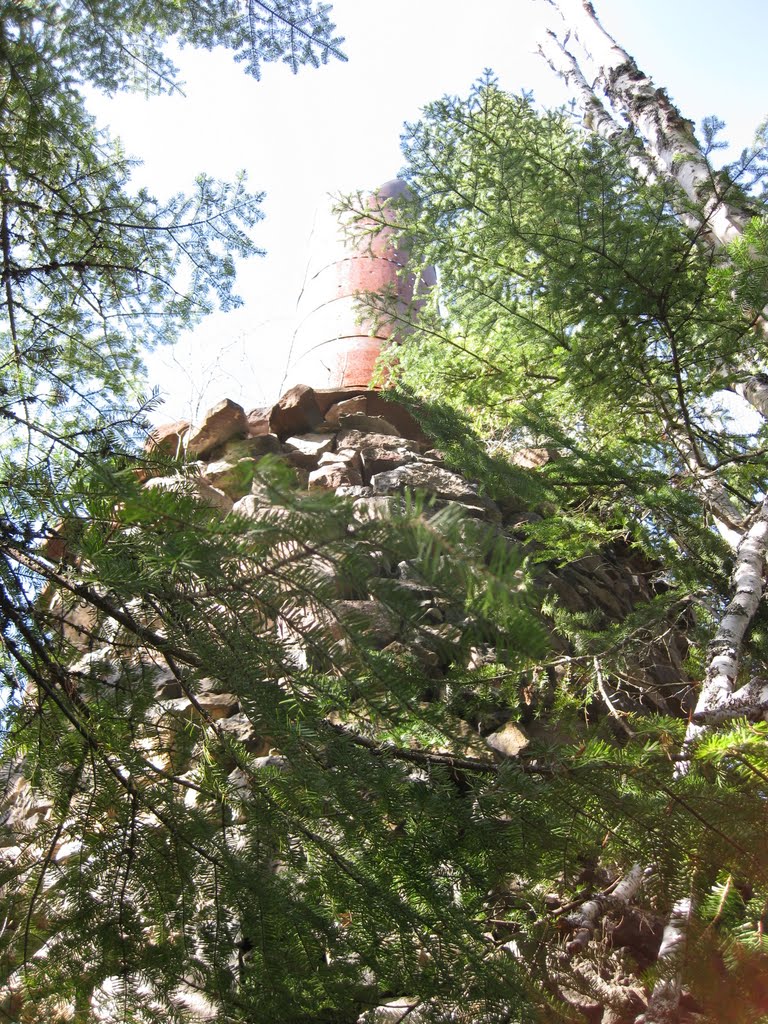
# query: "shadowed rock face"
[367,447]
[334,347]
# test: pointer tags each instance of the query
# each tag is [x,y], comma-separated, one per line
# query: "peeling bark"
[725,646]
[591,913]
[563,63]
[669,137]
[664,1001]
[613,88]
[751,701]
[754,391]
[716,703]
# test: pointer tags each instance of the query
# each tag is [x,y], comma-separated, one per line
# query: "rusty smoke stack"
[331,347]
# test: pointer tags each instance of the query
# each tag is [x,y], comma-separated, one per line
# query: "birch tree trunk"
[612,87]
[669,137]
[718,211]
[725,646]
[663,1004]
[755,391]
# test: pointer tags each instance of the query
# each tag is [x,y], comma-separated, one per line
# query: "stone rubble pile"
[369,449]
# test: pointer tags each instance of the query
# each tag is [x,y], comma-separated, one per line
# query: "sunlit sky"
[337,129]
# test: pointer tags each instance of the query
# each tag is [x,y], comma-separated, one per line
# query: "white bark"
[726,515]
[563,63]
[669,137]
[591,913]
[662,1006]
[729,521]
[755,392]
[672,149]
[751,701]
[725,647]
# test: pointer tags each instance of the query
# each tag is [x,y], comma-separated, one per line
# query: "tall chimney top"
[334,345]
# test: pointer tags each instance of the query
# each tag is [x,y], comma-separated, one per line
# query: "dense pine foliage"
[583,311]
[356,840]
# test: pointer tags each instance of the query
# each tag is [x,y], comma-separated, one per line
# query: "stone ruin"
[353,440]
[368,450]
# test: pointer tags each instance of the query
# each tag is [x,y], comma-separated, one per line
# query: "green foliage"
[576,312]
[581,315]
[267,881]
[348,835]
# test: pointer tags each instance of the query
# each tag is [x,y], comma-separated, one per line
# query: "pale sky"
[337,129]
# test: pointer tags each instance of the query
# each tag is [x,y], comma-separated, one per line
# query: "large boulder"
[233,477]
[432,478]
[352,437]
[337,474]
[370,424]
[371,403]
[169,438]
[306,449]
[220,424]
[258,422]
[194,487]
[377,458]
[254,447]
[297,412]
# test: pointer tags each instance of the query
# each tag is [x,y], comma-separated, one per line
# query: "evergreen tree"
[350,837]
[600,312]
[154,867]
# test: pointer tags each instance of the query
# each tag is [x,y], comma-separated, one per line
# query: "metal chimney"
[331,347]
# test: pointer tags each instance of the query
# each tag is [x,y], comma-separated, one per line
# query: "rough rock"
[297,412]
[353,491]
[306,449]
[255,506]
[258,422]
[194,487]
[349,407]
[254,447]
[373,507]
[371,403]
[378,624]
[533,458]
[338,474]
[475,506]
[328,397]
[509,740]
[169,438]
[398,415]
[234,478]
[278,761]
[167,686]
[213,705]
[435,480]
[242,731]
[361,439]
[221,423]
[76,620]
[410,652]
[379,459]
[368,424]
[345,456]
